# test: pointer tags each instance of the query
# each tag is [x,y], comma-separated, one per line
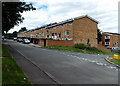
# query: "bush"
[88,45]
[80,46]
[93,49]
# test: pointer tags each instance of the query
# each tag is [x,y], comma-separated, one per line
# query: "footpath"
[35,74]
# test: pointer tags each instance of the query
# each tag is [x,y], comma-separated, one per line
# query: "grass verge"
[11,72]
[72,49]
[116,61]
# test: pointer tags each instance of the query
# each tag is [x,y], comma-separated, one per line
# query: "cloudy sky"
[49,11]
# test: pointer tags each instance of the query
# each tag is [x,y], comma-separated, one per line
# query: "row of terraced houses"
[81,29]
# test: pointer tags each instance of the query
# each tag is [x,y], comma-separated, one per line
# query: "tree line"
[11,14]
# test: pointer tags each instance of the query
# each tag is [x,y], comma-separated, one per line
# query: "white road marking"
[92,61]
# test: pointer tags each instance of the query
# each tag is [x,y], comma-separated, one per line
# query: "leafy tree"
[11,14]
[14,34]
[10,35]
[23,29]
[99,35]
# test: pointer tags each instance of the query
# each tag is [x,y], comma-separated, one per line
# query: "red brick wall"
[84,29]
[67,43]
[113,39]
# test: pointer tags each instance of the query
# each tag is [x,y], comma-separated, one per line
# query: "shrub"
[93,49]
[80,46]
[88,45]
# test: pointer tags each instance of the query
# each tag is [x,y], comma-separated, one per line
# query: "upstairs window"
[67,33]
[70,23]
[37,35]
[42,34]
[107,37]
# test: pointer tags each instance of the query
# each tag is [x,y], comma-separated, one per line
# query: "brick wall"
[80,31]
[67,43]
[85,29]
[113,39]
[41,42]
[101,47]
[60,28]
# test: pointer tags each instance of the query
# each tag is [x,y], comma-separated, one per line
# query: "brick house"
[110,39]
[81,29]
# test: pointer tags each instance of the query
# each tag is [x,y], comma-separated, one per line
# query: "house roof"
[48,26]
[112,33]
[87,17]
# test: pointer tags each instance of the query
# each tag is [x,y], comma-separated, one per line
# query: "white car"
[26,41]
[15,38]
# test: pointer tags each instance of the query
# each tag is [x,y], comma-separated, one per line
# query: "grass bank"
[73,49]
[11,72]
[116,61]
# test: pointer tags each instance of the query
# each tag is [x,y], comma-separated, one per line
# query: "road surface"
[63,67]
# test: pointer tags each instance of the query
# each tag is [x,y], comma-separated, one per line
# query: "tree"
[11,14]
[99,35]
[23,29]
[14,34]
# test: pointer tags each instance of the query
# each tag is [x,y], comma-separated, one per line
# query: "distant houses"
[81,29]
[110,39]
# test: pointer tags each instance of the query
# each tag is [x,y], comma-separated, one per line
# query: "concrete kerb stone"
[107,59]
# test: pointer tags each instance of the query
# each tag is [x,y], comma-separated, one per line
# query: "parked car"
[3,37]
[26,41]
[15,38]
[112,48]
[19,40]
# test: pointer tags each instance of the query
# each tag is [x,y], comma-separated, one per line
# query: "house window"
[116,44]
[107,43]
[31,35]
[70,23]
[59,34]
[67,33]
[63,25]
[107,37]
[37,35]
[47,36]
[42,34]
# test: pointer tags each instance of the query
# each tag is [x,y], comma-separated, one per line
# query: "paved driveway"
[69,68]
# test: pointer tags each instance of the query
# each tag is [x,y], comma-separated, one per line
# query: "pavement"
[33,73]
[62,67]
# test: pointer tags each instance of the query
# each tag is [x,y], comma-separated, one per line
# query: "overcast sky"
[49,11]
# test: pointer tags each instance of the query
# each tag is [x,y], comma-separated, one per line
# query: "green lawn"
[11,72]
[72,49]
[0,50]
[0,71]
[116,61]
[65,48]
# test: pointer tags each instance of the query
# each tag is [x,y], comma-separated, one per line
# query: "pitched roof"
[87,17]
[112,33]
[62,22]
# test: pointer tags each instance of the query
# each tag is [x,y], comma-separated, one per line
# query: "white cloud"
[48,11]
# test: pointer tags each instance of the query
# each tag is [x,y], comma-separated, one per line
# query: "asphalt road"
[64,67]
